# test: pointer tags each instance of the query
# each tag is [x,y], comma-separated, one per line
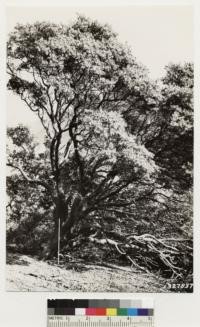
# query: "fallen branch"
[147,253]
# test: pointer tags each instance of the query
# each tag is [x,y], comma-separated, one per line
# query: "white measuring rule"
[97,321]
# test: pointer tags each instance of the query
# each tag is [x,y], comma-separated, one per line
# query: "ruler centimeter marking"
[75,321]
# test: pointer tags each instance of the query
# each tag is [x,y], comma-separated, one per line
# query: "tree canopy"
[118,146]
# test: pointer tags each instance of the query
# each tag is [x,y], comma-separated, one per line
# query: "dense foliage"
[116,164]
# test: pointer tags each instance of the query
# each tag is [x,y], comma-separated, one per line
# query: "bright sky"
[157,35]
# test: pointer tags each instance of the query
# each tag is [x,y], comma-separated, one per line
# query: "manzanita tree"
[81,83]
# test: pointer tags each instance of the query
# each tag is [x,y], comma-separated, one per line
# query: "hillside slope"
[25,273]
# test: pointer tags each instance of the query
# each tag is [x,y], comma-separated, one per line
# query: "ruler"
[96,321]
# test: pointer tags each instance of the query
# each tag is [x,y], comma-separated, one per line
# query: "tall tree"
[80,81]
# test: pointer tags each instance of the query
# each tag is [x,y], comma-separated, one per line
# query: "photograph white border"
[19,309]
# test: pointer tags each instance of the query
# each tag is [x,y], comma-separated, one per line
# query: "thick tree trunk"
[69,212]
[71,221]
[59,215]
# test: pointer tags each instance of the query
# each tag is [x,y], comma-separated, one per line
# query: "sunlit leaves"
[118,146]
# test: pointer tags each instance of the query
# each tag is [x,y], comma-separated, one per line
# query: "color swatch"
[101,307]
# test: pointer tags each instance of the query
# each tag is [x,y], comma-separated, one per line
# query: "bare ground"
[25,273]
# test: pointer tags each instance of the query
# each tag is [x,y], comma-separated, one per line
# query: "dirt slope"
[25,273]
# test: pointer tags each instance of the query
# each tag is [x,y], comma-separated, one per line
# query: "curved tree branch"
[30,180]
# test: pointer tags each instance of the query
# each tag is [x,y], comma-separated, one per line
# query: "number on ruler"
[100,322]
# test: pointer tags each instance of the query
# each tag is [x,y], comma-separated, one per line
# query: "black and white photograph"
[100,149]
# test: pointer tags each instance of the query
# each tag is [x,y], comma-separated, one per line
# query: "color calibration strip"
[105,307]
[100,313]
